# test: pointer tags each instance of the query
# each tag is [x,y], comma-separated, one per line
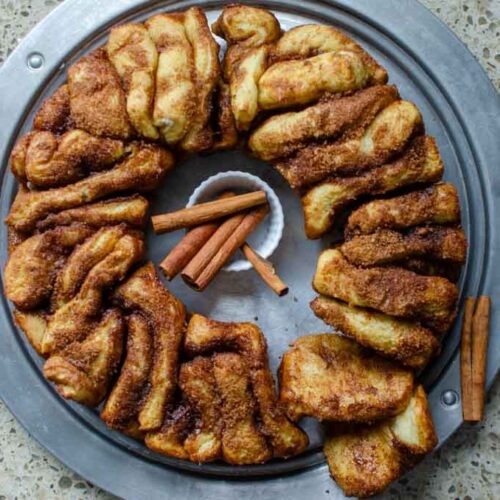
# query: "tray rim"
[375,10]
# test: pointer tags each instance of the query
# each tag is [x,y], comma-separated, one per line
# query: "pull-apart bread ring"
[313,103]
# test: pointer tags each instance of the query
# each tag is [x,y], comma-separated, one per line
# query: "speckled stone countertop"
[467,467]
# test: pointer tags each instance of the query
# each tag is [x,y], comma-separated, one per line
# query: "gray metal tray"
[461,109]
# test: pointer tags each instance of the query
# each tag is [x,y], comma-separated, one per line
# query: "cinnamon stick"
[480,331]
[200,261]
[265,270]
[206,212]
[235,240]
[186,249]
[466,359]
[189,246]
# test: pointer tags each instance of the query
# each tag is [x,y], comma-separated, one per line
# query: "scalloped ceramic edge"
[235,179]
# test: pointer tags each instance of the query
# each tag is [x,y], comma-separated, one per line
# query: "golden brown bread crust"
[135,59]
[33,324]
[405,341]
[225,134]
[333,378]
[205,335]
[17,157]
[143,171]
[391,290]
[124,402]
[199,387]
[131,210]
[244,85]
[309,40]
[435,205]
[227,405]
[387,246]
[309,61]
[81,261]
[299,82]
[46,160]
[248,31]
[206,76]
[32,267]
[426,267]
[144,293]
[174,106]
[82,371]
[169,438]
[242,443]
[386,136]
[97,100]
[76,318]
[419,164]
[364,461]
[246,25]
[54,113]
[283,134]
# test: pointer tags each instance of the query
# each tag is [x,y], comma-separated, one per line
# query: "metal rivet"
[35,60]
[449,398]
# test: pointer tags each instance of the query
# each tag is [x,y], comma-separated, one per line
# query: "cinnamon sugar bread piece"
[404,341]
[205,335]
[391,290]
[333,378]
[364,461]
[144,293]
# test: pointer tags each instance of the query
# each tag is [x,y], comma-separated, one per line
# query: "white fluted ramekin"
[267,236]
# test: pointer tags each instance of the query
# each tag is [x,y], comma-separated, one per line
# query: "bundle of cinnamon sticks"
[473,356]
[219,229]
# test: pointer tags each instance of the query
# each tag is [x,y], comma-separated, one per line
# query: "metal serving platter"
[461,109]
